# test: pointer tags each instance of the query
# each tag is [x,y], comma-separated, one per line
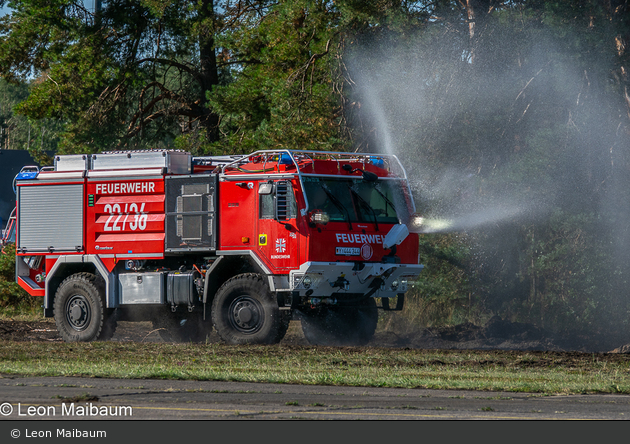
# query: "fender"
[255,261]
[56,275]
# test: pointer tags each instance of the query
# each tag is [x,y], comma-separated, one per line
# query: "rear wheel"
[245,312]
[350,325]
[80,311]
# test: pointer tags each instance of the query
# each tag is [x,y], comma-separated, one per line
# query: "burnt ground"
[497,334]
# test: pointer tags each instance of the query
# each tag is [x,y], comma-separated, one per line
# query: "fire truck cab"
[242,244]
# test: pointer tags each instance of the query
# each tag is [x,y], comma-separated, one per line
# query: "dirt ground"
[497,334]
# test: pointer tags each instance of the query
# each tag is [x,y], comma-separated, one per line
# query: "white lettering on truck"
[125,188]
[351,238]
[119,219]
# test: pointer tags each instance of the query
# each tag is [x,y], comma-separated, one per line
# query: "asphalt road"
[74,398]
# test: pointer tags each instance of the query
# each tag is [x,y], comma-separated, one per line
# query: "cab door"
[277,241]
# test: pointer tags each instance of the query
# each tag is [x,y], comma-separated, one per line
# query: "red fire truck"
[242,244]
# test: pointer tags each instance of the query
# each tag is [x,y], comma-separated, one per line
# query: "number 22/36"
[118,220]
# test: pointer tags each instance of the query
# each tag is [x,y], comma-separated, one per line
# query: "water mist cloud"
[415,110]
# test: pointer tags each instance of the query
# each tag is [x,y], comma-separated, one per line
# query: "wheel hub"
[78,313]
[245,314]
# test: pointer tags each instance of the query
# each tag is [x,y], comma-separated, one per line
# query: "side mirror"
[369,177]
[396,235]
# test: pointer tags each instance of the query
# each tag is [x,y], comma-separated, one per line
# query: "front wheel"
[80,311]
[245,312]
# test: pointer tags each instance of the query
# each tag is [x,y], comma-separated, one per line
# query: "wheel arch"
[69,265]
[228,265]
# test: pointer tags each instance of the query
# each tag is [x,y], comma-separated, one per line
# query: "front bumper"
[380,280]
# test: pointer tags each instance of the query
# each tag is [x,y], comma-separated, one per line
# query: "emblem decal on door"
[366,251]
[281,245]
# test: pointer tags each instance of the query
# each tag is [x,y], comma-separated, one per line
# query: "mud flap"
[400,302]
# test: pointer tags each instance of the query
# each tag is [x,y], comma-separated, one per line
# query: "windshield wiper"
[387,201]
[364,204]
[337,203]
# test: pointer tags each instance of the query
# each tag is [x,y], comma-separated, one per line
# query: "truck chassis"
[241,244]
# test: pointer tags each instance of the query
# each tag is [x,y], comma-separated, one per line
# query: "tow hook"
[341,283]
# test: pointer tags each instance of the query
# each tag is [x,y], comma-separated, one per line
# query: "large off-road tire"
[352,325]
[181,327]
[80,311]
[244,311]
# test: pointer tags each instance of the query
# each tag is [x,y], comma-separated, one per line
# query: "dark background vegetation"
[511,117]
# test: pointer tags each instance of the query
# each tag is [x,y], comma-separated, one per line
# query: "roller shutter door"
[50,218]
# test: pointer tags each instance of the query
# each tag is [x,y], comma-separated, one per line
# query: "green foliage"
[18,132]
[571,275]
[442,294]
[131,76]
[280,91]
[13,300]
[555,277]
[13,128]
[512,118]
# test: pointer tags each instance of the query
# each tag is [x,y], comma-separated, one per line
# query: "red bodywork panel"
[337,243]
[125,217]
[237,216]
[38,290]
[241,227]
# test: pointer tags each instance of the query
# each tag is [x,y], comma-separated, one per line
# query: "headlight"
[307,281]
[405,281]
[395,284]
[416,223]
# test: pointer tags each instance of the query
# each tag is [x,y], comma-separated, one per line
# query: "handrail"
[393,163]
[333,155]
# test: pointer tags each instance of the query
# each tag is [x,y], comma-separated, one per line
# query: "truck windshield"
[357,200]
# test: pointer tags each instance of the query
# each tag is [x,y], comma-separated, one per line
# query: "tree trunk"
[470,15]
[476,13]
[208,72]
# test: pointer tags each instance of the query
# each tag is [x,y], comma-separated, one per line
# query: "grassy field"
[535,372]
[496,370]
